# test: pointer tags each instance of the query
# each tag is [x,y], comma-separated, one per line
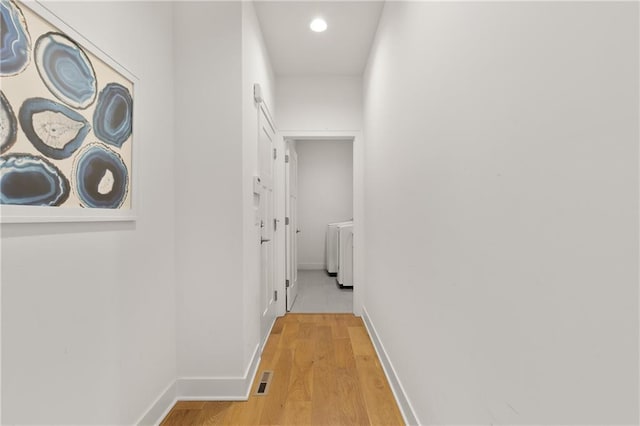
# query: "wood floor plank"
[289,335]
[344,353]
[306,330]
[297,413]
[352,408]
[278,325]
[181,418]
[270,352]
[323,344]
[382,410]
[314,318]
[327,319]
[189,405]
[249,412]
[360,342]
[325,397]
[339,327]
[325,372]
[272,413]
[213,413]
[245,412]
[301,381]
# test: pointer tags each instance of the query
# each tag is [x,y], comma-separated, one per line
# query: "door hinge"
[286,158]
[275,296]
[286,220]
[275,153]
[286,284]
[275,224]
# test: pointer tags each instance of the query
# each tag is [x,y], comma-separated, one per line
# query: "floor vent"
[265,381]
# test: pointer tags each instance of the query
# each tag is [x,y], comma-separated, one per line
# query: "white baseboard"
[160,407]
[266,337]
[219,388]
[311,266]
[408,413]
[203,389]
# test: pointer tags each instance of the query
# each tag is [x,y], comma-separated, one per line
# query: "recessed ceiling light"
[318,25]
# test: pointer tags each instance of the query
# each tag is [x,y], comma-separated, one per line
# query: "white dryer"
[331,260]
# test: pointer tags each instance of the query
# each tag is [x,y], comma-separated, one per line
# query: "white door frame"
[291,223]
[359,279]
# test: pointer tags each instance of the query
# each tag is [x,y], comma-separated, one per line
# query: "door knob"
[264,240]
[297,231]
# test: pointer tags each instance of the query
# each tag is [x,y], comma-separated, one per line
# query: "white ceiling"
[341,50]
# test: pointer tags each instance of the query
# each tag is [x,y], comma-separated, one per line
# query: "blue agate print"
[66,118]
[100,177]
[66,70]
[54,129]
[15,47]
[30,180]
[8,124]
[112,120]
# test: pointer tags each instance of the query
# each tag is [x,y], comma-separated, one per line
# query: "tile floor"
[319,293]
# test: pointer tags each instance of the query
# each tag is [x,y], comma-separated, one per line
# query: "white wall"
[209,211]
[175,313]
[502,204]
[256,68]
[325,195]
[88,309]
[218,241]
[319,103]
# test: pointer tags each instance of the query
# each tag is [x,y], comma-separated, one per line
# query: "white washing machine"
[345,255]
[331,260]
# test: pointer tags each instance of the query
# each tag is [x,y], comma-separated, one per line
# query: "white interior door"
[291,223]
[266,145]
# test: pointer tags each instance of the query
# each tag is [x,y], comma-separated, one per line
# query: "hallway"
[325,372]
[492,178]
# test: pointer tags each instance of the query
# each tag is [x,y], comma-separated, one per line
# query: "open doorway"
[319,205]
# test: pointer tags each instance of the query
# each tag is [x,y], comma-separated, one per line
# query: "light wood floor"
[326,372]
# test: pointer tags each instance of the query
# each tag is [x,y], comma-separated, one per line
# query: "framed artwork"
[67,146]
